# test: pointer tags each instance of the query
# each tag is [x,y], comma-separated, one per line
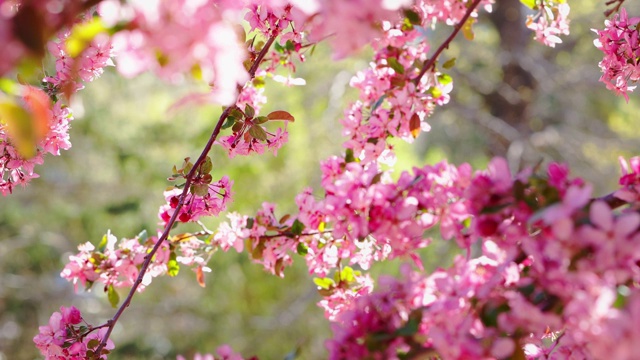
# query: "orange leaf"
[200,276]
[39,104]
[414,125]
[281,115]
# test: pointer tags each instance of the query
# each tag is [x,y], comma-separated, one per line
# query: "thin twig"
[189,179]
[430,63]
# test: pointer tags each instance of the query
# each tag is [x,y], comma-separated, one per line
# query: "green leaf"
[249,111]
[82,35]
[172,266]
[237,126]
[348,157]
[257,132]
[236,113]
[412,16]
[250,222]
[9,86]
[347,274]
[412,325]
[143,236]
[103,243]
[297,227]
[467,29]
[187,166]
[623,294]
[199,189]
[260,120]
[93,343]
[531,4]
[324,283]
[449,63]
[445,79]
[395,65]
[113,296]
[20,126]
[229,122]
[206,166]
[302,249]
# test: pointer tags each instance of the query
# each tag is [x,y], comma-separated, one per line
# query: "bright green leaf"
[324,283]
[82,34]
[302,249]
[531,4]
[113,296]
[297,227]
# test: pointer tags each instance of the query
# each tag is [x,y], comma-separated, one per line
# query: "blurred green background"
[512,97]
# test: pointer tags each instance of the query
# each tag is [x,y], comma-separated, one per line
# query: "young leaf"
[412,16]
[531,4]
[172,265]
[260,120]
[229,122]
[236,113]
[200,276]
[449,63]
[297,227]
[257,132]
[395,65]
[206,166]
[280,115]
[113,296]
[467,29]
[199,189]
[324,283]
[302,249]
[249,111]
[237,126]
[82,35]
[414,125]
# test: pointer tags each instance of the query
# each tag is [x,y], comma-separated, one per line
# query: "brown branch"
[612,201]
[617,4]
[431,62]
[189,179]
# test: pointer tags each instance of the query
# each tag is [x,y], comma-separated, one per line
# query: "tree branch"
[430,63]
[189,180]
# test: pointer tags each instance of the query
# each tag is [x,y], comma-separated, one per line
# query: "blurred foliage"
[125,141]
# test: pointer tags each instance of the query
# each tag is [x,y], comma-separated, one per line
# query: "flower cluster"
[50,120]
[115,263]
[250,135]
[172,38]
[65,339]
[619,41]
[550,22]
[268,240]
[372,218]
[204,198]
[223,352]
[558,274]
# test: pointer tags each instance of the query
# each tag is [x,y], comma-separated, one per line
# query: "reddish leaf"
[281,115]
[414,125]
[39,104]
[200,276]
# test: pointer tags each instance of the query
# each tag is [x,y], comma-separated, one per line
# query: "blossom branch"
[430,63]
[189,180]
